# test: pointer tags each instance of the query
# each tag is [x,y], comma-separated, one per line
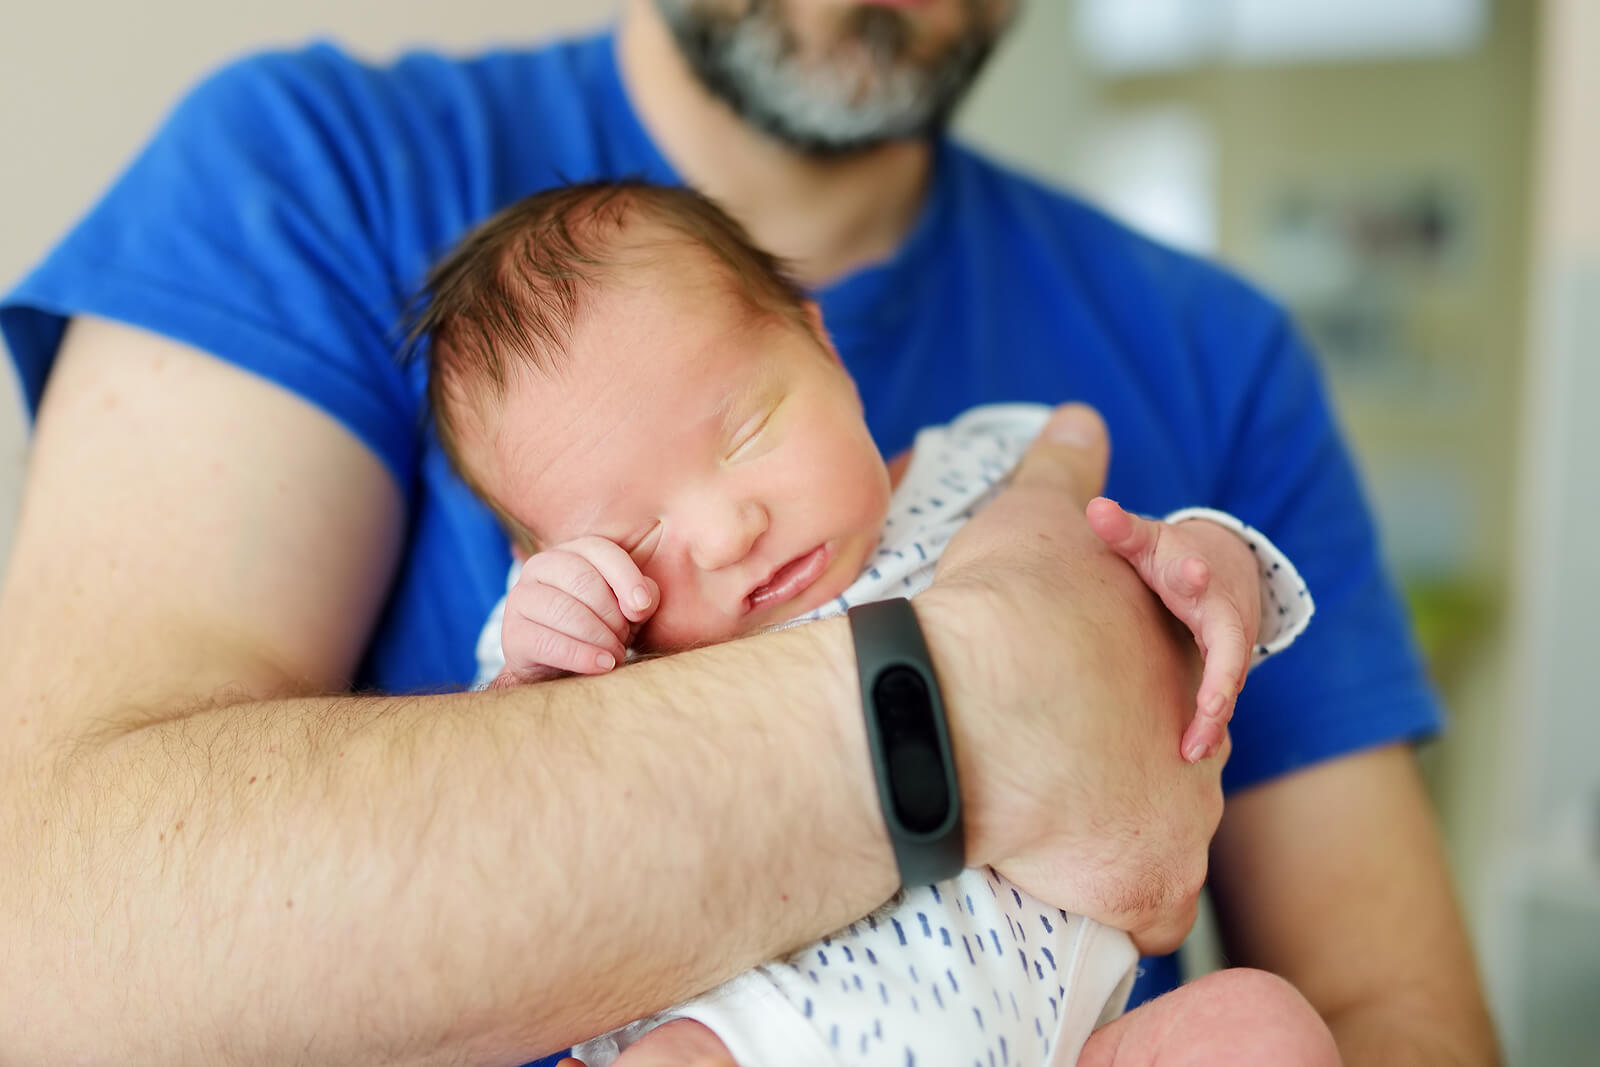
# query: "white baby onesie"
[971,970]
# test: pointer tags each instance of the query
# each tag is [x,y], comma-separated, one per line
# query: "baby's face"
[727,455]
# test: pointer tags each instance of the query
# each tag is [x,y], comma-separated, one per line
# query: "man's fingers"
[1070,454]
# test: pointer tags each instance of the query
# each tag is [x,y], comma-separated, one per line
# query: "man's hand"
[1207,577]
[1069,689]
[574,609]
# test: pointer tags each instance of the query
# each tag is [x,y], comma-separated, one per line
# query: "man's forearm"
[382,876]
[1335,878]
[1401,1032]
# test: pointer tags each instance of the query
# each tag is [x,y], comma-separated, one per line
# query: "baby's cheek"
[682,623]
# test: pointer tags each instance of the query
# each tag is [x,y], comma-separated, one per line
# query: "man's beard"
[868,89]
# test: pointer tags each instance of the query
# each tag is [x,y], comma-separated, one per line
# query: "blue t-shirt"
[284,213]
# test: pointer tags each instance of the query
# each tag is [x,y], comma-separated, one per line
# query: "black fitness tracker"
[909,742]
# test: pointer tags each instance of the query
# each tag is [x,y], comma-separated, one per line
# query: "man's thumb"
[1070,453]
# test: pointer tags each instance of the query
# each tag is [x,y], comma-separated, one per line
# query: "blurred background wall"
[1416,180]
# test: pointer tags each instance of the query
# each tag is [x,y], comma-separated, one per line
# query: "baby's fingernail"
[641,597]
[605,661]
[1195,752]
[1074,426]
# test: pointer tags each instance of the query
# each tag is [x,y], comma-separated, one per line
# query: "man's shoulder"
[1070,232]
[325,77]
[413,148]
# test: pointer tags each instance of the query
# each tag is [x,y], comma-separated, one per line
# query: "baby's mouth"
[789,580]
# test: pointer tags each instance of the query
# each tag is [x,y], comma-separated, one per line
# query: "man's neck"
[825,217]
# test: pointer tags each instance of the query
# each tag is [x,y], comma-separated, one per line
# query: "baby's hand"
[679,1043]
[573,610]
[1208,578]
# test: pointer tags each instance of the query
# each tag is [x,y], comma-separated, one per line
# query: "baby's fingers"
[533,650]
[588,573]
[1129,536]
[1179,580]
[1227,653]
[632,592]
[1203,738]
[679,1043]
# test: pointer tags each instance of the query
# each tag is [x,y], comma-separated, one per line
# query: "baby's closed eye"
[746,437]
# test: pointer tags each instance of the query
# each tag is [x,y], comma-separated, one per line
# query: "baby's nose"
[728,536]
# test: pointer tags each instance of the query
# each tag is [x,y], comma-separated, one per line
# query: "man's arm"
[206,864]
[209,859]
[1334,878]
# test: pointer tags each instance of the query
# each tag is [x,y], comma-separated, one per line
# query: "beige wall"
[1539,915]
[1553,741]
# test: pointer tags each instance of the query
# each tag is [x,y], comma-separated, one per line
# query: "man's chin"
[876,94]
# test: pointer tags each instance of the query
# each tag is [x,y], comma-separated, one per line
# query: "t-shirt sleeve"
[256,225]
[1354,679]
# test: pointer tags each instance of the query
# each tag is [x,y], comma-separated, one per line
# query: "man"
[230,516]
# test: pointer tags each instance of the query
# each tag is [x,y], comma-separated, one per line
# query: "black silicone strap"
[909,742]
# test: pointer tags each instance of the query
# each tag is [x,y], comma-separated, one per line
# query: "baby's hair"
[512,291]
